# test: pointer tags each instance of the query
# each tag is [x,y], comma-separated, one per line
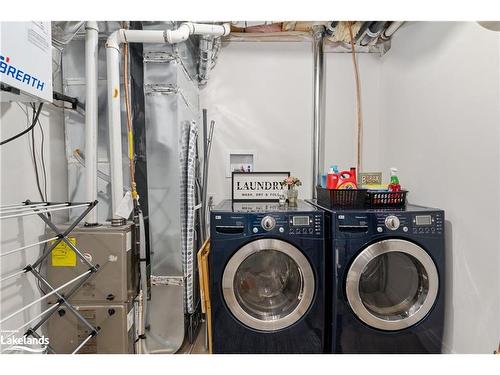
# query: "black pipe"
[139,129]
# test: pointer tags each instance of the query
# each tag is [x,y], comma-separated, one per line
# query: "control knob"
[268,223]
[392,222]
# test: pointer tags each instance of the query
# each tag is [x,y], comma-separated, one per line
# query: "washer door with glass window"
[268,284]
[392,284]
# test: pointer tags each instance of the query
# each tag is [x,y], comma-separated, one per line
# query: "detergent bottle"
[347,179]
[332,179]
[394,184]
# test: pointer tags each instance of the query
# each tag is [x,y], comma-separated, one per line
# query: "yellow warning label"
[63,255]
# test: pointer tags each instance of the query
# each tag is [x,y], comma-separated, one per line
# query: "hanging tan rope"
[359,114]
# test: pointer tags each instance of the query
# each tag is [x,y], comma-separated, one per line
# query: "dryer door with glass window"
[392,284]
[268,284]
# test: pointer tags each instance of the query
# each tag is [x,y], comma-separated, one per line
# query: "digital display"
[423,220]
[300,220]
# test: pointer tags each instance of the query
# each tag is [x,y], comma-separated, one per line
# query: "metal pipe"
[44,296]
[206,61]
[205,178]
[40,211]
[318,107]
[204,186]
[91,120]
[216,50]
[113,81]
[140,329]
[28,246]
[144,321]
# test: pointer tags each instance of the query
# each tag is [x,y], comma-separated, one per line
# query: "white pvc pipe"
[114,123]
[45,296]
[113,77]
[393,27]
[91,109]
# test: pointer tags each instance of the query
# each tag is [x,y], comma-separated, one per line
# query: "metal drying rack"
[43,210]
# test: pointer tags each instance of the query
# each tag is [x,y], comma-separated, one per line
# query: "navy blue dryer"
[386,280]
[267,278]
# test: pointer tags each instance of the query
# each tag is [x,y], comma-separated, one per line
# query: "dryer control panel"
[414,223]
[392,222]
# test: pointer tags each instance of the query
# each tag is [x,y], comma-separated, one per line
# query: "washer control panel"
[299,224]
[305,225]
[428,223]
[411,223]
[238,220]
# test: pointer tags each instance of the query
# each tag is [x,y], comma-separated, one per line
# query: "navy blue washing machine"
[267,278]
[386,280]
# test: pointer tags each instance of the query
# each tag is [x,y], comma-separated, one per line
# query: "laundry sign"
[257,186]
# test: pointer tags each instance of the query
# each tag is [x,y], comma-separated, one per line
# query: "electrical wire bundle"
[29,128]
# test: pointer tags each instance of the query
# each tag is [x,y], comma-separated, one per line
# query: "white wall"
[440,121]
[17,183]
[260,95]
[340,111]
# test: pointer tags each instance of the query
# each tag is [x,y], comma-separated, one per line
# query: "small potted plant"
[291,183]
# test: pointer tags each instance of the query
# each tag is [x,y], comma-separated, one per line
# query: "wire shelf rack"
[44,210]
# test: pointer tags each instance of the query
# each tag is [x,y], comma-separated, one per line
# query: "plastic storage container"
[381,199]
[341,198]
[360,198]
